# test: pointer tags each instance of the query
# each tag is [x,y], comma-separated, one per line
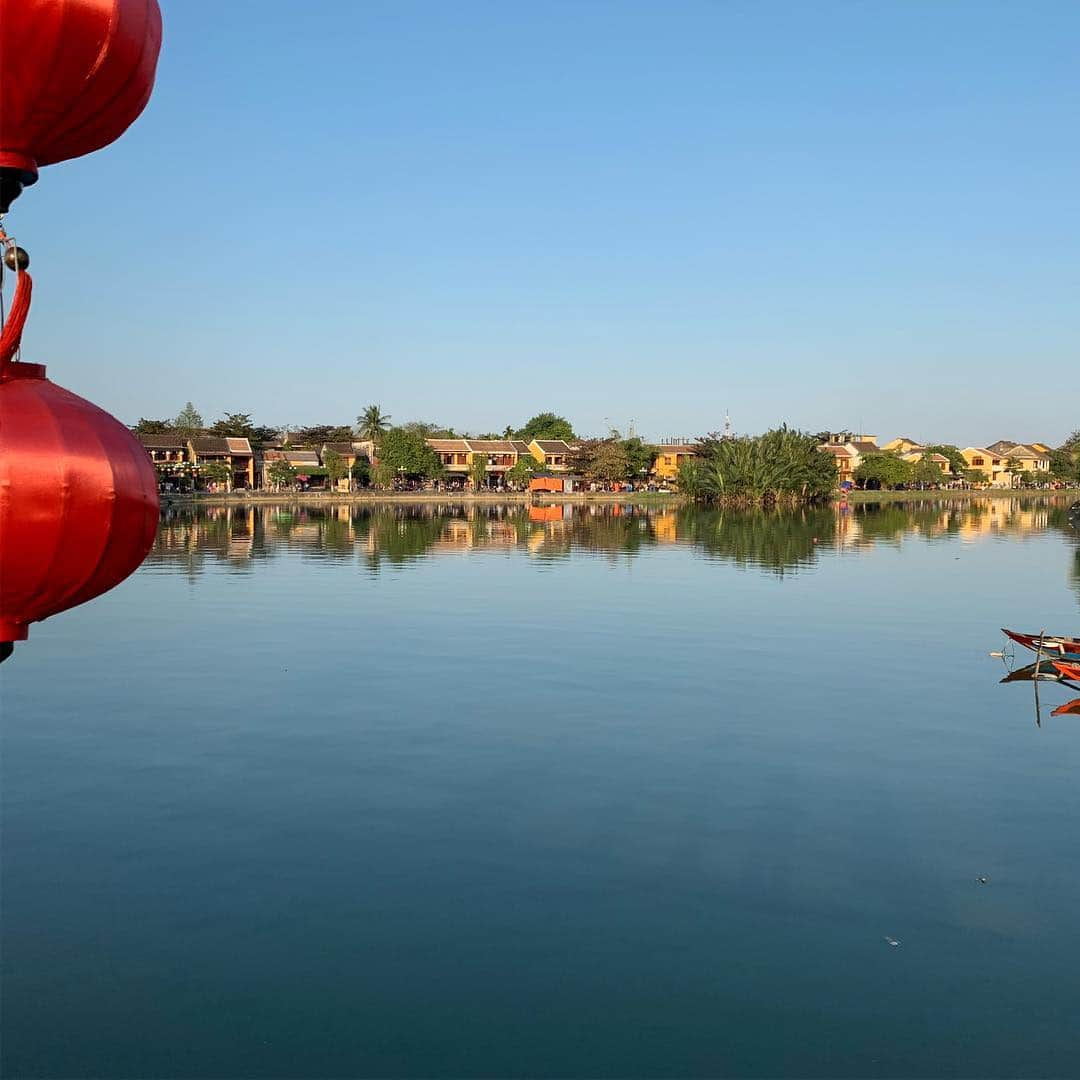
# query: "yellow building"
[995,462]
[669,458]
[991,465]
[903,445]
[551,452]
[454,454]
[1029,457]
[846,458]
[913,457]
[459,455]
[350,454]
[847,451]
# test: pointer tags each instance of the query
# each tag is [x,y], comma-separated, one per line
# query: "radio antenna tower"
[727,424]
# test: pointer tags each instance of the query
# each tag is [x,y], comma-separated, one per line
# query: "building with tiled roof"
[1025,458]
[449,445]
[208,444]
[491,446]
[847,459]
[453,453]
[306,464]
[169,453]
[345,449]
[913,457]
[990,464]
[903,445]
[848,450]
[551,452]
[866,446]
[170,441]
[236,453]
[457,455]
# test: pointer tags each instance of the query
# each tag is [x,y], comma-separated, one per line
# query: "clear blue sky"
[834,214]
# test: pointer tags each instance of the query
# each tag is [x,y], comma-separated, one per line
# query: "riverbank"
[419,498]
[955,495]
[521,498]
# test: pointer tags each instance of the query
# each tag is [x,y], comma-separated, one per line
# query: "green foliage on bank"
[546,425]
[781,467]
[884,470]
[613,459]
[405,453]
[525,468]
[335,466]
[216,472]
[957,464]
[281,474]
[1065,463]
[478,469]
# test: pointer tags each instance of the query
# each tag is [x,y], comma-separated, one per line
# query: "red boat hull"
[1049,644]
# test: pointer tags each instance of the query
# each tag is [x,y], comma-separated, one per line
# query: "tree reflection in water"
[773,540]
[776,542]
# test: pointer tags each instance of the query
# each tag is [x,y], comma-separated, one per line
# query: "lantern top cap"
[18,370]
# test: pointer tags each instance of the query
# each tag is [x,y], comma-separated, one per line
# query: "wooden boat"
[1065,647]
[1068,671]
[1046,673]
[1070,708]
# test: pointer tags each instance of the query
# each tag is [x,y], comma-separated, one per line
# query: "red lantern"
[78,494]
[74,75]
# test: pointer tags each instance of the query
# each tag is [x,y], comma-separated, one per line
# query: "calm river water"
[561,792]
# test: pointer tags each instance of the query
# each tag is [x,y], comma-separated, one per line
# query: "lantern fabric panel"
[74,75]
[78,500]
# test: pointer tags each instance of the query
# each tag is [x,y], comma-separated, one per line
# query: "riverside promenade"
[419,498]
[525,498]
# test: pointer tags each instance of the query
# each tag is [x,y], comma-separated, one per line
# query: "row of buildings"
[183,461]
[1001,462]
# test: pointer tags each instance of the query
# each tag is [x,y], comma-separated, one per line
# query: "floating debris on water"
[892,941]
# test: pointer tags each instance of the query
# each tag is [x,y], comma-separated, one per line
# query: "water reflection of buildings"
[866,524]
[239,536]
[465,534]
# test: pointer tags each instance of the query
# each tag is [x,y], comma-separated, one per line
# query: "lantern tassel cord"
[11,335]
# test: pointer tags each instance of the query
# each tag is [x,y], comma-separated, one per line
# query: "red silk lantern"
[78,494]
[74,75]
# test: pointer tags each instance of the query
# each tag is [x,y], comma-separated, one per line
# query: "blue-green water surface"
[590,791]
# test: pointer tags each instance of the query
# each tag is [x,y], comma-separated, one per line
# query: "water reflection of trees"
[238,537]
[397,537]
[772,540]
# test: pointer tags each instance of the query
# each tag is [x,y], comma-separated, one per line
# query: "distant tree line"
[371,425]
[760,470]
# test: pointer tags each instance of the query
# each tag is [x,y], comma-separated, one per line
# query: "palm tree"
[372,423]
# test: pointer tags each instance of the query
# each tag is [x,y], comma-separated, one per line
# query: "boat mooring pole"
[1038,669]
